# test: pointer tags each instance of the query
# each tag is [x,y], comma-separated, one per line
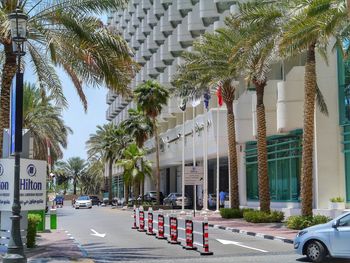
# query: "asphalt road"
[105,235]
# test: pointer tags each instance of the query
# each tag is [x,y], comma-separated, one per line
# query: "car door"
[340,238]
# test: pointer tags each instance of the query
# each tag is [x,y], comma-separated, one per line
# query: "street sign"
[194,175]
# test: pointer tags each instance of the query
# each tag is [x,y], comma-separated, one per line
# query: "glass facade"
[284,167]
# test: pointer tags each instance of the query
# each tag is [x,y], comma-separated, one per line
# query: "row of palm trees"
[262,34]
[123,144]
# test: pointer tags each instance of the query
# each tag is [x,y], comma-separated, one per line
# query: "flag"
[206,100]
[182,105]
[219,94]
[195,102]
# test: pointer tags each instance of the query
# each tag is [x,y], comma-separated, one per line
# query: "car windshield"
[178,195]
[84,198]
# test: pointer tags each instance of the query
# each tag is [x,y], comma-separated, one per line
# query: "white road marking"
[229,242]
[95,233]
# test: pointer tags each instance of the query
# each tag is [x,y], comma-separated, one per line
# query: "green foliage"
[263,217]
[233,213]
[337,199]
[33,221]
[301,222]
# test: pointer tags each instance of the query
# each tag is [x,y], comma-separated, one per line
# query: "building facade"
[158,31]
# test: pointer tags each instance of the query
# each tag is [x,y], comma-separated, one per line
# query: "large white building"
[158,30]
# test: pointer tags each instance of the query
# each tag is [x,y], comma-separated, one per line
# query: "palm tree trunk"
[8,72]
[264,188]
[110,178]
[75,186]
[157,158]
[308,136]
[126,193]
[231,132]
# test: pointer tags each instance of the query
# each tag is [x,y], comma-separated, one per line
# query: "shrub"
[33,221]
[231,213]
[301,222]
[263,217]
[337,200]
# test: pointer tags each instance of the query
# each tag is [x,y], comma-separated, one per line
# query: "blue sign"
[13,117]
[1,169]
[31,170]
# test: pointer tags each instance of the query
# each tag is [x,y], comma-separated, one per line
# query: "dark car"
[95,200]
[59,199]
[151,196]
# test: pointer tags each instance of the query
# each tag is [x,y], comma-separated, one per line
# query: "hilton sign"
[32,184]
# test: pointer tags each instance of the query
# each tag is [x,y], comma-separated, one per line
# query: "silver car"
[330,239]
[83,201]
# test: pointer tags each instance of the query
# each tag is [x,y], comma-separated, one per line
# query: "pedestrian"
[222,198]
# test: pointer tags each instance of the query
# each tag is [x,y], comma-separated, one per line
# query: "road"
[105,235]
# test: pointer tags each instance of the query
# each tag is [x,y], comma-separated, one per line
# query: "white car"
[83,201]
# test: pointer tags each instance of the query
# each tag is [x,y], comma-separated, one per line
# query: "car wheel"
[77,208]
[315,251]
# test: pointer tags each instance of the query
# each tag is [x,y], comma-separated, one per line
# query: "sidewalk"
[54,247]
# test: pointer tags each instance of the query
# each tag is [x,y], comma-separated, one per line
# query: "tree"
[108,142]
[151,97]
[136,168]
[209,62]
[61,177]
[92,180]
[322,20]
[140,127]
[45,122]
[64,34]
[74,167]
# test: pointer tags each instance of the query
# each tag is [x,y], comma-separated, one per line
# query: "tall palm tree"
[209,61]
[258,25]
[74,167]
[109,142]
[61,176]
[92,180]
[140,127]
[136,168]
[322,20]
[45,122]
[65,34]
[151,97]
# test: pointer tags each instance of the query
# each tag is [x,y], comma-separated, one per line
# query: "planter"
[336,206]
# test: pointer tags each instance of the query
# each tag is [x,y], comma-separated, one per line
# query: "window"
[344,221]
[284,165]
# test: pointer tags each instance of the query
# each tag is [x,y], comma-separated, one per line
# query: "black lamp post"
[18,26]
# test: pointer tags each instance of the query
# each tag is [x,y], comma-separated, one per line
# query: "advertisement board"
[32,184]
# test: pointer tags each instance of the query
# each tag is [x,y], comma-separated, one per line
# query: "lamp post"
[18,26]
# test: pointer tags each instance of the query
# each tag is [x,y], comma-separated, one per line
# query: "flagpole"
[205,161]
[194,159]
[183,161]
[217,160]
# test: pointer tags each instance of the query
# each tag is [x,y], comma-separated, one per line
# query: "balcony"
[184,7]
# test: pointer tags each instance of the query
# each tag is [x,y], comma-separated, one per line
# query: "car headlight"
[301,233]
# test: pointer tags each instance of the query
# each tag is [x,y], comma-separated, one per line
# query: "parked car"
[175,200]
[59,199]
[95,200]
[330,239]
[151,196]
[83,201]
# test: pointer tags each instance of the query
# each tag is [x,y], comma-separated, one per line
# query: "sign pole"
[194,159]
[183,162]
[217,160]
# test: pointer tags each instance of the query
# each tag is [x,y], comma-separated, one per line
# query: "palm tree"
[108,142]
[151,97]
[322,21]
[45,122]
[136,168]
[258,28]
[209,61]
[92,180]
[61,176]
[140,127]
[65,34]
[74,167]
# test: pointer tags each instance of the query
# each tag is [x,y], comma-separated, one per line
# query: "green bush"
[231,213]
[263,217]
[301,222]
[33,221]
[337,200]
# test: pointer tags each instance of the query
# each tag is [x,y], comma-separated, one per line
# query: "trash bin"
[53,219]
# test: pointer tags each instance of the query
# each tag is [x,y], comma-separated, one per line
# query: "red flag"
[219,94]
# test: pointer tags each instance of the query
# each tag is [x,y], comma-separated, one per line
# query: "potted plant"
[337,203]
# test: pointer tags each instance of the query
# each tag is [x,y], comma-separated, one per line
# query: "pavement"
[60,246]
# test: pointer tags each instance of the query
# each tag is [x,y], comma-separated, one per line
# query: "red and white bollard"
[206,251]
[135,225]
[160,234]
[173,230]
[189,234]
[142,220]
[150,222]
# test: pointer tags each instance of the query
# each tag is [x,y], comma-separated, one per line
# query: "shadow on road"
[99,252]
[327,260]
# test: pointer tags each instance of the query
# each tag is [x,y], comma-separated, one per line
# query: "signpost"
[194,175]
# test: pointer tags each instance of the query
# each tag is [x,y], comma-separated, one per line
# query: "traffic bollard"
[135,225]
[150,222]
[53,219]
[206,251]
[173,230]
[160,234]
[142,220]
[189,234]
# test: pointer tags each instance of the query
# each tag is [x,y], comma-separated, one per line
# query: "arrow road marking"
[95,233]
[229,242]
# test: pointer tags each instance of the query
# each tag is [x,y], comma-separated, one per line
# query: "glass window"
[344,221]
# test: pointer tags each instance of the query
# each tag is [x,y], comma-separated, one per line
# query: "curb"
[254,234]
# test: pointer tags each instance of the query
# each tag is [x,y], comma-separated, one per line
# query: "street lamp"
[18,27]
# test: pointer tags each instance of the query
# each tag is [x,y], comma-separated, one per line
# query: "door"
[340,237]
